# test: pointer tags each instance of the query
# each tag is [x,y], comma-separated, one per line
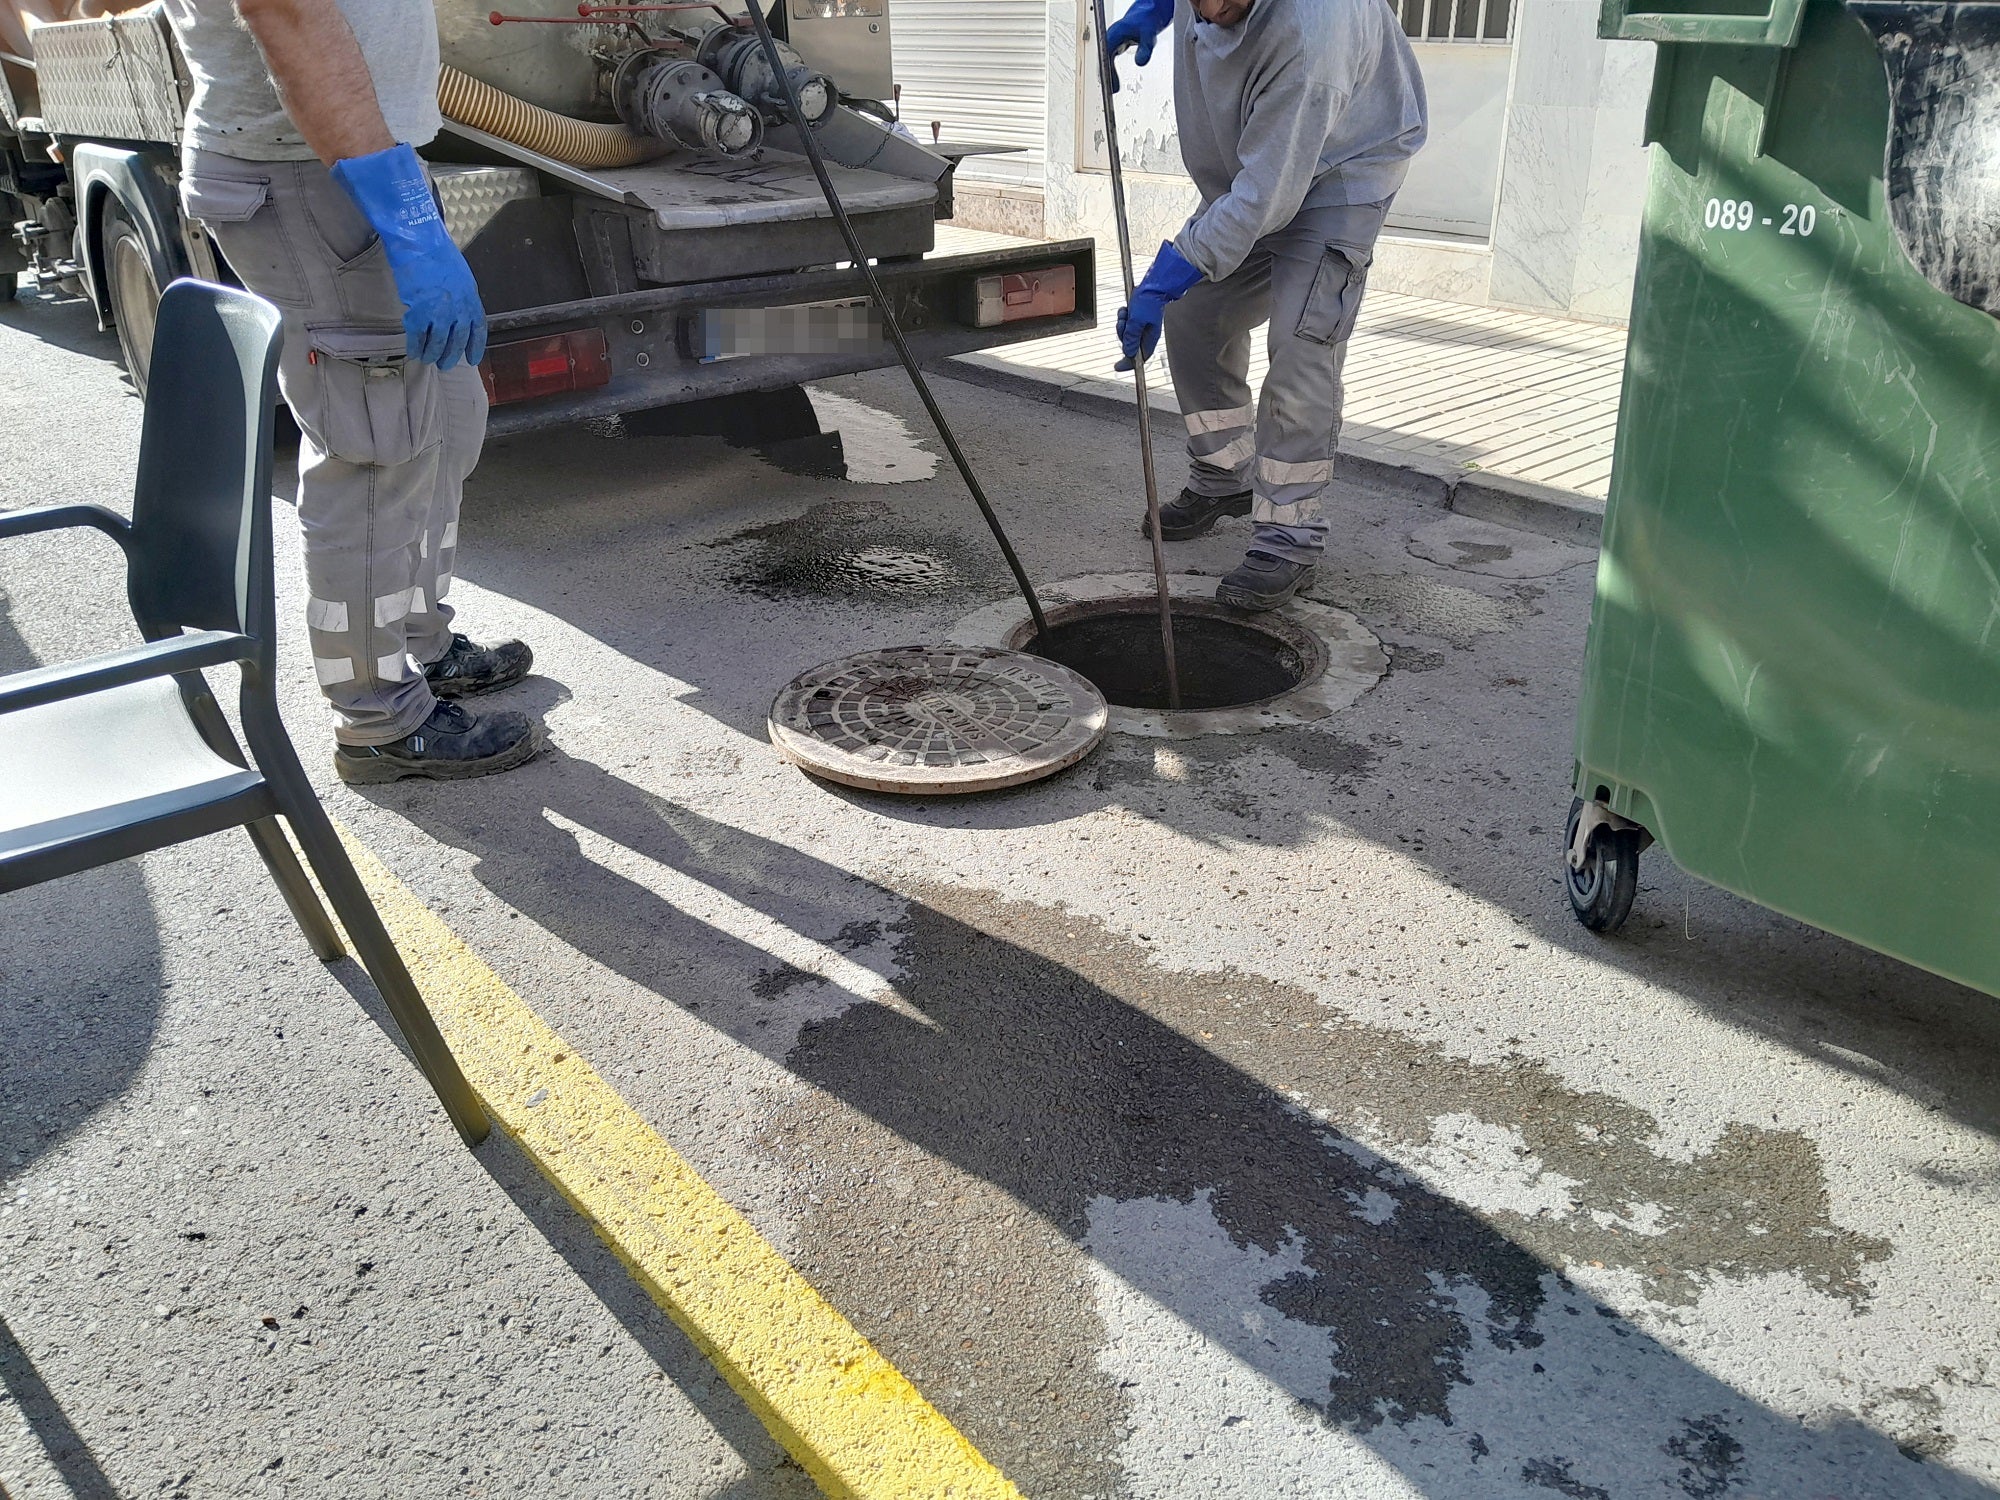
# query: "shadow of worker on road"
[1033,1139]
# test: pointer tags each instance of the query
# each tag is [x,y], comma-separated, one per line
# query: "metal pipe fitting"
[678,99]
[740,60]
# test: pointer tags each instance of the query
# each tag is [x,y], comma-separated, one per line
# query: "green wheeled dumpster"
[1792,682]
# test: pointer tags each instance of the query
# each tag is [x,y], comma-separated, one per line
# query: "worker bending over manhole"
[1298,119]
[299,161]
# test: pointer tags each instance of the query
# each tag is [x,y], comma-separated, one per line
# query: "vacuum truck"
[624,179]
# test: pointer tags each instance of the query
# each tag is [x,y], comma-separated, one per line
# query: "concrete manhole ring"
[937,720]
[1339,658]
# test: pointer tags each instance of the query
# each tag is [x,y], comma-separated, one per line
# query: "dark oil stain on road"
[856,550]
[953,1166]
[1481,552]
[1712,1457]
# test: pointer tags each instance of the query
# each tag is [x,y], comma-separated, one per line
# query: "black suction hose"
[860,257]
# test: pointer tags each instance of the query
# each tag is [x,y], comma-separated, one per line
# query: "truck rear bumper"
[652,360]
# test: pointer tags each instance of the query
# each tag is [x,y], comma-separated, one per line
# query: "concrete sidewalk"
[1512,413]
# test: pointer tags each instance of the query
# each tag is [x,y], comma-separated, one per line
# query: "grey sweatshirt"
[1305,104]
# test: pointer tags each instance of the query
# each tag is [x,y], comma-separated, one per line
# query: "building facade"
[1528,194]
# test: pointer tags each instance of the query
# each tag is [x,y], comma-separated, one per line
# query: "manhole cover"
[933,720]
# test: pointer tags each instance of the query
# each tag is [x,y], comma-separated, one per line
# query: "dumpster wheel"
[1602,884]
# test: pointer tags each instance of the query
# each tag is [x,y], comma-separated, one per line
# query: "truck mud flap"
[142,184]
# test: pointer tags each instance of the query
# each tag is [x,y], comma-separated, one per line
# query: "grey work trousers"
[388,441]
[1306,280]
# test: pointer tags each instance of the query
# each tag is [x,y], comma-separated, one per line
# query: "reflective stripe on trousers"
[1306,281]
[386,442]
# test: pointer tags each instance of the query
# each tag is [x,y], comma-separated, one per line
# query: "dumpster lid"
[1777,25]
[1942,166]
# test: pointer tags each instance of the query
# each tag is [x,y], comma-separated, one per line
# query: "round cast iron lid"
[934,720]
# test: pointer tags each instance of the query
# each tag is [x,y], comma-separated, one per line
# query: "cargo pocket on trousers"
[1335,299]
[376,405]
[238,216]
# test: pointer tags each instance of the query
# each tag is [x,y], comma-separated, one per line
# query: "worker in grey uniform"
[299,162]
[1297,121]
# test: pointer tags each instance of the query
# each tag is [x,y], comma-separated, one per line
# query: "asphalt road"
[1242,1116]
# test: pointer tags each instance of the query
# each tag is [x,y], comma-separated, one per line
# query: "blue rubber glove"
[1139,27]
[1172,277]
[442,318]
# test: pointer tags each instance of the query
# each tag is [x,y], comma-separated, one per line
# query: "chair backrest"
[201,509]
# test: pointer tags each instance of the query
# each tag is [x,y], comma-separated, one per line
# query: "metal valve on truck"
[709,88]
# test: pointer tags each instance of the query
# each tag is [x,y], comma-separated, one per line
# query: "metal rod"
[588,9]
[586,15]
[1107,81]
[889,320]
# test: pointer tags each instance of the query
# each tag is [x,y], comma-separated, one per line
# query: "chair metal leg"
[269,838]
[371,940]
[276,849]
[385,966]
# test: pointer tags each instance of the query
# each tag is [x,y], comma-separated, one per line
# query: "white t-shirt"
[235,109]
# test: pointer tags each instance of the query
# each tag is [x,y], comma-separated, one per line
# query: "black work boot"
[1262,581]
[450,745]
[466,669]
[1189,515]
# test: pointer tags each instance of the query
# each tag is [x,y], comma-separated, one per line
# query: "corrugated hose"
[581,143]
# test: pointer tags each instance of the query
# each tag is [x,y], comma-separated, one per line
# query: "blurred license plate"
[816,328]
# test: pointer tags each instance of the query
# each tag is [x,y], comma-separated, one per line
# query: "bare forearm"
[321,75]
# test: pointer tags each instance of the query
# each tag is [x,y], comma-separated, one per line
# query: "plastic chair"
[107,758]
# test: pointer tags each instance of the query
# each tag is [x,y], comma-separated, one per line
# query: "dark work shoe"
[1261,581]
[466,669]
[450,745]
[1189,515]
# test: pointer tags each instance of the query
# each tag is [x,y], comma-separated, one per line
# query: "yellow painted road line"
[842,1410]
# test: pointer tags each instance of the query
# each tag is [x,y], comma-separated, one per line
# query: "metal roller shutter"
[980,66]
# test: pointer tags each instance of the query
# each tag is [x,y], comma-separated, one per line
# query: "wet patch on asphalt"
[859,443]
[775,983]
[857,549]
[1063,1078]
[1412,658]
[1225,769]
[1414,603]
[1711,1457]
[1474,546]
[878,445]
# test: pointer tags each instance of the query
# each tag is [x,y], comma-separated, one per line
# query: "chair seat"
[72,771]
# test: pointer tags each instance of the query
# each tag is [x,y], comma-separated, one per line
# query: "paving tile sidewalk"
[1440,386]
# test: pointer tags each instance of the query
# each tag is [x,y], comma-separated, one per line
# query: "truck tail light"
[528,368]
[1016,296]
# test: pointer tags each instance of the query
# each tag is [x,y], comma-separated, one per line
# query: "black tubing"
[889,322]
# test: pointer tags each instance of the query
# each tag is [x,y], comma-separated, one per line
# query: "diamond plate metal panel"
[471,196]
[112,78]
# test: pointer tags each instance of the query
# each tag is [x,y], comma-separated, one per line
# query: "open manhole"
[935,720]
[1223,659]
[1238,671]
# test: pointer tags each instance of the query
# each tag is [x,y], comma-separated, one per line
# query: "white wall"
[1573,169]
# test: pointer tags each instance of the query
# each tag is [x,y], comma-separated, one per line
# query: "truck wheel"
[1600,894]
[135,293]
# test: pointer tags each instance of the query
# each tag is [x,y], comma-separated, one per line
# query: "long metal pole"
[1106,82]
[889,322]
